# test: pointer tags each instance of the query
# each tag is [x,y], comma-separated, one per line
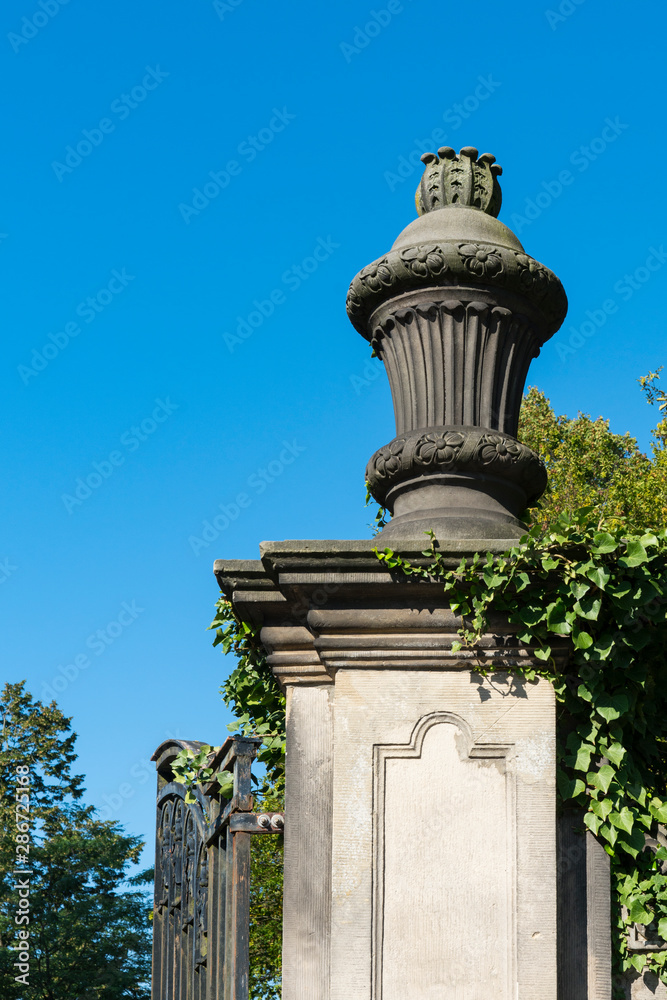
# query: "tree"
[88,927]
[266,904]
[590,466]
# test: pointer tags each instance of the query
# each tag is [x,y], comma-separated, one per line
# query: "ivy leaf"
[601,807]
[633,842]
[531,614]
[609,833]
[599,575]
[604,543]
[615,753]
[492,579]
[601,779]
[556,618]
[543,653]
[569,788]
[593,822]
[583,758]
[225,780]
[636,554]
[578,589]
[662,928]
[588,607]
[603,647]
[659,810]
[612,707]
[582,640]
[638,961]
[623,820]
[638,914]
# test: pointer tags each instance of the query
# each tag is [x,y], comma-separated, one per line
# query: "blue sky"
[188,190]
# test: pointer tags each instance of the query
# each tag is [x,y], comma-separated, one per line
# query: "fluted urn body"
[456,311]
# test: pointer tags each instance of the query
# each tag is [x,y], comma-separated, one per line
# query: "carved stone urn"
[456,311]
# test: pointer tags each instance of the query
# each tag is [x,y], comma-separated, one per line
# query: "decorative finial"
[467,179]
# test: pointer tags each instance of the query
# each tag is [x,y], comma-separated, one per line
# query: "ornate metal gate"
[202,877]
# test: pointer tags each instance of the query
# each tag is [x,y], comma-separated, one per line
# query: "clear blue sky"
[124,292]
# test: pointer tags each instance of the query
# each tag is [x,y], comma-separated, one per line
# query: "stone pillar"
[308,793]
[422,845]
[421,830]
[584,906]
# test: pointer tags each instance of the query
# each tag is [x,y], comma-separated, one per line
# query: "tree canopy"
[88,929]
[591,466]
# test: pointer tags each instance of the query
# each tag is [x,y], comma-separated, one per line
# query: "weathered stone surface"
[584,913]
[456,310]
[402,757]
[646,987]
[307,895]
[425,765]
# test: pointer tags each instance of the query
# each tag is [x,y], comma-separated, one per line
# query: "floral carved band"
[456,450]
[454,264]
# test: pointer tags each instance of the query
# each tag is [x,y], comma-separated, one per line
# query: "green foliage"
[89,923]
[253,694]
[381,519]
[604,591]
[266,905]
[251,690]
[192,769]
[41,737]
[589,466]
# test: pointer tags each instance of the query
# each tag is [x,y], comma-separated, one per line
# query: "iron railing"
[201,914]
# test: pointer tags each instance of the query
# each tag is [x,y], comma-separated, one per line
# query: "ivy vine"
[251,691]
[606,592]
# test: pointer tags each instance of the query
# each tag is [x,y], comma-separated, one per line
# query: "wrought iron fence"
[201,915]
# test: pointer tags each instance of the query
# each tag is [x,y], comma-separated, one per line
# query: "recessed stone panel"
[433,804]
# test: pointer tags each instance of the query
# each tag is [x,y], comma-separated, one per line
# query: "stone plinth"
[420,848]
